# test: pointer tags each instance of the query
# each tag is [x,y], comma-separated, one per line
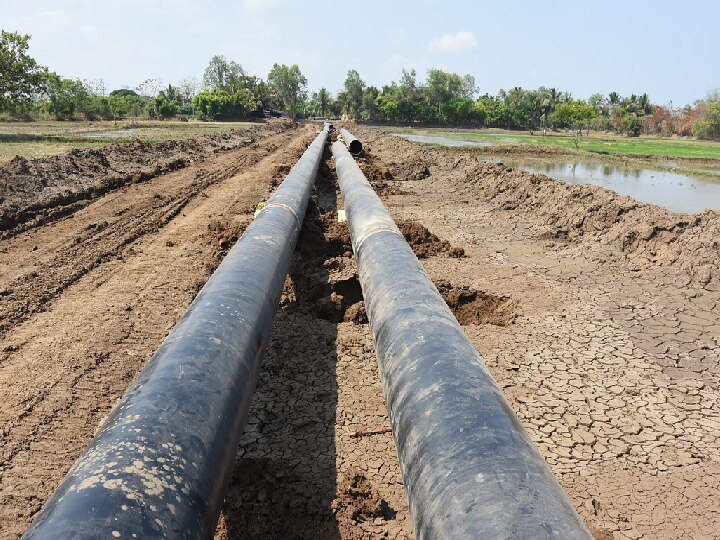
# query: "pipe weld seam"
[375,230]
[285,207]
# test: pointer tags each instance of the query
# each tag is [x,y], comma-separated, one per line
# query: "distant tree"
[289,86]
[21,77]
[495,110]
[370,109]
[96,87]
[709,128]
[442,88]
[660,122]
[166,104]
[323,99]
[66,97]
[632,124]
[125,103]
[219,104]
[149,87]
[598,102]
[574,114]
[354,88]
[221,73]
[188,88]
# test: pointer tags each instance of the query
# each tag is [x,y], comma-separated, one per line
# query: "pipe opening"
[355,147]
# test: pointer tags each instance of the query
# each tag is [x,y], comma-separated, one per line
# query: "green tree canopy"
[289,86]
[21,77]
[354,88]
[223,74]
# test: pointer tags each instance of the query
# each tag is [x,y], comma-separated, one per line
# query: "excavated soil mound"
[33,192]
[477,307]
[424,243]
[648,235]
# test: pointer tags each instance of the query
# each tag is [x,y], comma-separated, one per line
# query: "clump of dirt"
[279,174]
[320,278]
[424,243]
[223,235]
[259,503]
[477,307]
[34,192]
[410,170]
[356,314]
[385,179]
[358,501]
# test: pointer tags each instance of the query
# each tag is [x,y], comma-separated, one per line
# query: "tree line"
[228,92]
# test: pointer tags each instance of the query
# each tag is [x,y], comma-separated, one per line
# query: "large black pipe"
[351,141]
[469,468]
[160,465]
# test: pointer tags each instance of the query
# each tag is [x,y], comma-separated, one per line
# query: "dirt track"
[596,315]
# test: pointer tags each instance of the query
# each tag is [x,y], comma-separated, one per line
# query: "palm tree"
[323,97]
[644,104]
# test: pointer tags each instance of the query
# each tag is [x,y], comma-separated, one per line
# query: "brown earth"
[611,362]
[596,314]
[37,191]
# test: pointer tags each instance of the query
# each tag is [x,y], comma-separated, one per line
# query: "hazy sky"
[670,49]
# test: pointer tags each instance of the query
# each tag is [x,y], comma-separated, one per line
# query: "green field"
[599,144]
[40,139]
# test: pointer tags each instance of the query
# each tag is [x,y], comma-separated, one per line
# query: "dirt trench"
[301,473]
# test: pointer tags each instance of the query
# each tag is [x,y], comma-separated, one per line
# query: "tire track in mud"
[40,191]
[95,242]
[117,293]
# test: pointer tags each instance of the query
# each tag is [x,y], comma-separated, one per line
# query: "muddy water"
[676,192]
[442,141]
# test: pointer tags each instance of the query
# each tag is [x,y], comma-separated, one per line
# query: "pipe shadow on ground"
[284,481]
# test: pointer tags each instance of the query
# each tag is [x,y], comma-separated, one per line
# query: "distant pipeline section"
[469,468]
[160,466]
[352,142]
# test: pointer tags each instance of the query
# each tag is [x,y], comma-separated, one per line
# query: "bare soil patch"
[424,243]
[90,297]
[33,192]
[477,307]
[612,364]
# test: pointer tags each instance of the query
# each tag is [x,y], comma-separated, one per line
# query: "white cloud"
[452,43]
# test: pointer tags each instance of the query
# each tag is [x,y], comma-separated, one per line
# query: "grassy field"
[599,144]
[40,139]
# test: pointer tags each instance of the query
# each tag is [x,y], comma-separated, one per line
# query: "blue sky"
[669,49]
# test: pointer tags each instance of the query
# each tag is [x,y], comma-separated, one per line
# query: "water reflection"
[677,192]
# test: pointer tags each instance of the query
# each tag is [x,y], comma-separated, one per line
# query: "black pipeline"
[160,465]
[352,142]
[469,468]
